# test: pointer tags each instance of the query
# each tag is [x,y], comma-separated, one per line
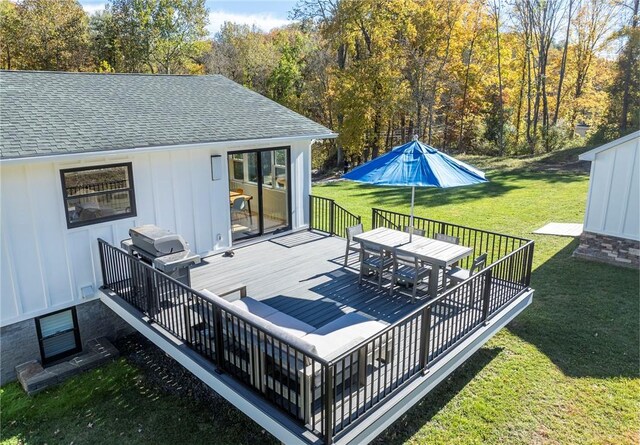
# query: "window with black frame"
[58,335]
[97,194]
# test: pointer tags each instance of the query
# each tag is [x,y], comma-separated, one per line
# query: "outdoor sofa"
[273,346]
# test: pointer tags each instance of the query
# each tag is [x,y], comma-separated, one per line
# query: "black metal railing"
[328,217]
[330,397]
[496,245]
[409,347]
[288,376]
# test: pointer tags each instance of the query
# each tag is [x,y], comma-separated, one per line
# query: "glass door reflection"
[259,192]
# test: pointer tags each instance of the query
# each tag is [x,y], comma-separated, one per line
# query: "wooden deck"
[303,275]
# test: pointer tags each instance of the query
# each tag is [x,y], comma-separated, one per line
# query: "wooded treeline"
[483,76]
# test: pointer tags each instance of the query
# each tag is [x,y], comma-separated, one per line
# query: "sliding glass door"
[259,194]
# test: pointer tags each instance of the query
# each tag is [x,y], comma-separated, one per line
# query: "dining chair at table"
[352,246]
[418,232]
[447,238]
[413,274]
[239,206]
[405,259]
[457,275]
[373,259]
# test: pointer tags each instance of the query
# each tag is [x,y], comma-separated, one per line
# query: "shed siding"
[44,265]
[613,202]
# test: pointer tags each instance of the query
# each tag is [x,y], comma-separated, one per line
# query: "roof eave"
[230,144]
[591,154]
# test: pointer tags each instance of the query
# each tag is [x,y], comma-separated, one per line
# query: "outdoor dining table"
[440,254]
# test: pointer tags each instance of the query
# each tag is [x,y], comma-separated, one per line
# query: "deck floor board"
[303,275]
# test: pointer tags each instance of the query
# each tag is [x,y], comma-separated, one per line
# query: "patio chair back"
[351,245]
[447,238]
[418,232]
[478,264]
[353,231]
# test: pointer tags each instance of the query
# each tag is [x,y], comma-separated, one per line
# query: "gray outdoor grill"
[163,249]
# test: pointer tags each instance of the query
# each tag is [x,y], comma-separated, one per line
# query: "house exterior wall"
[44,266]
[613,203]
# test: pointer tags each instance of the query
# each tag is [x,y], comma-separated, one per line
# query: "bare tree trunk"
[496,7]
[626,96]
[464,93]
[563,64]
[520,99]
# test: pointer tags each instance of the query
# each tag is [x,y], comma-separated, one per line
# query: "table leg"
[433,281]
[250,214]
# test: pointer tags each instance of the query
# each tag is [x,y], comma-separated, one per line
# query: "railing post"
[102,266]
[425,336]
[149,294]
[217,329]
[529,265]
[328,407]
[332,207]
[374,223]
[311,212]
[486,294]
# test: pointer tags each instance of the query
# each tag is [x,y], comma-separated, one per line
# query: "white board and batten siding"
[44,265]
[613,203]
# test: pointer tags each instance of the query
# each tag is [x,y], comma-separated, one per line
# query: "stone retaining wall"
[609,249]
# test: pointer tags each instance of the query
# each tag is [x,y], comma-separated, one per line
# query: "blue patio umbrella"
[416,165]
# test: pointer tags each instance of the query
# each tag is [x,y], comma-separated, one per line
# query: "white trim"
[614,234]
[203,145]
[591,154]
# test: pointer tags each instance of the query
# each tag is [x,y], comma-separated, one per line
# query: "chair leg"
[393,279]
[379,278]
[346,256]
[414,290]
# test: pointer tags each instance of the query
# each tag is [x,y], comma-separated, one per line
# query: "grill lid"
[156,241]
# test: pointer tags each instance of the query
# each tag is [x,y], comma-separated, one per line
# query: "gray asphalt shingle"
[44,113]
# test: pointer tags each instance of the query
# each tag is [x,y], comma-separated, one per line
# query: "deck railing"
[328,217]
[330,397]
[496,245]
[409,347]
[290,378]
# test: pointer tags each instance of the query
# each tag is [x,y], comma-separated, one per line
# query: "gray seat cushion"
[341,334]
[292,325]
[458,274]
[255,307]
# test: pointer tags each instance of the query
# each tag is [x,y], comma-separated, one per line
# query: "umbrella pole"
[413,195]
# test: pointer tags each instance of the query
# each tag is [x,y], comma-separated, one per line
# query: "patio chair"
[457,275]
[239,207]
[447,238]
[408,260]
[352,246]
[373,259]
[412,274]
[418,232]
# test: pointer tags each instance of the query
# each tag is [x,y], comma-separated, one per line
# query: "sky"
[265,14]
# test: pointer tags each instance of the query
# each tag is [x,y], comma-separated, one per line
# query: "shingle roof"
[47,113]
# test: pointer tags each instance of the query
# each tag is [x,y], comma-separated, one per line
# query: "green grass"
[115,404]
[564,372]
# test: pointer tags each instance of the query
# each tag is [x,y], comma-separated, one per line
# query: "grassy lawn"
[565,371]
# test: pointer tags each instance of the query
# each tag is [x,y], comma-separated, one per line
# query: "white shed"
[612,217]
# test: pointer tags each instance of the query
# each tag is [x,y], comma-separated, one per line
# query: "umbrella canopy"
[416,165]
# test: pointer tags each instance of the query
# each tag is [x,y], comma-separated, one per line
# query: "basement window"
[98,194]
[58,335]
